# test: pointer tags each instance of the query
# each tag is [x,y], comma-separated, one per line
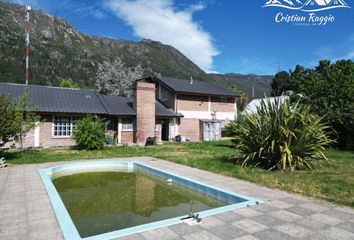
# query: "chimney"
[144,106]
[191,81]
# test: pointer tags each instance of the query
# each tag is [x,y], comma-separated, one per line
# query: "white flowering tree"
[117,79]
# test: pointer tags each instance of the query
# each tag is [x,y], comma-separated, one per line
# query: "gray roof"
[162,111]
[197,87]
[255,104]
[69,100]
[115,105]
[54,99]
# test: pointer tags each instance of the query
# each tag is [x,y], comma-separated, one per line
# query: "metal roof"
[116,105]
[196,87]
[69,100]
[255,104]
[161,111]
[54,99]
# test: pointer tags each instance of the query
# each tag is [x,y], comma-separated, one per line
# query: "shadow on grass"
[229,145]
[229,159]
[13,155]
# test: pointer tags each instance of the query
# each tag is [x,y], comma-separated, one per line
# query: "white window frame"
[71,125]
[128,126]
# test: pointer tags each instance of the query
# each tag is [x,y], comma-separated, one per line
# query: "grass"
[333,182]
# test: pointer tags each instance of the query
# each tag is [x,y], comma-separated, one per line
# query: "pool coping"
[69,230]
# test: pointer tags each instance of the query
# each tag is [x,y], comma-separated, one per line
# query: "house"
[205,107]
[161,107]
[252,106]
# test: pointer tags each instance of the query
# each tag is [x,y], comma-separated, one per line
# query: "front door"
[165,130]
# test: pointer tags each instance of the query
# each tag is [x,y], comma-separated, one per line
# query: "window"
[63,126]
[164,94]
[127,124]
[223,100]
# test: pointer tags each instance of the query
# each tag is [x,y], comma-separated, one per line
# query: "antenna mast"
[27,40]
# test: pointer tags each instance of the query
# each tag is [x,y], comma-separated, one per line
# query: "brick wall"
[189,128]
[28,141]
[46,139]
[220,106]
[145,111]
[127,136]
[192,103]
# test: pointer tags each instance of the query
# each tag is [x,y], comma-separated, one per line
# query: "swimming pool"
[107,199]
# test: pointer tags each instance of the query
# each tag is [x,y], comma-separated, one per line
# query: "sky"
[221,36]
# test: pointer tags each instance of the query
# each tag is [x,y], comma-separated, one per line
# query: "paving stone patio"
[26,212]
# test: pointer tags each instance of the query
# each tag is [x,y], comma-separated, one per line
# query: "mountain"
[272,2]
[289,2]
[324,3]
[283,2]
[318,5]
[59,51]
[316,2]
[245,82]
[335,3]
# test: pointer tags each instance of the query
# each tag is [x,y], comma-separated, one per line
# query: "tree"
[89,133]
[68,83]
[25,118]
[7,115]
[280,83]
[117,79]
[242,99]
[329,89]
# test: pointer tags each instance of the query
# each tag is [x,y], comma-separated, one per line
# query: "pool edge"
[69,230]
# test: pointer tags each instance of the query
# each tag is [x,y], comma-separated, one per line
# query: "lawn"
[333,182]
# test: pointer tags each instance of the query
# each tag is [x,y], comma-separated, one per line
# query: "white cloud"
[159,20]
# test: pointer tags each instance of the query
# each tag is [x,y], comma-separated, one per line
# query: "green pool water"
[100,202]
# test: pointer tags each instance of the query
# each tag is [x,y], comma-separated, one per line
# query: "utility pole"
[27,40]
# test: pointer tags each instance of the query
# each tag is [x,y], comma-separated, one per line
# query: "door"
[211,131]
[165,127]
[208,132]
[216,132]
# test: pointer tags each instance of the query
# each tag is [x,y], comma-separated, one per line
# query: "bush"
[329,89]
[281,136]
[7,115]
[90,133]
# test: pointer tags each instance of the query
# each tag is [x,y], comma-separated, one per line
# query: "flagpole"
[27,31]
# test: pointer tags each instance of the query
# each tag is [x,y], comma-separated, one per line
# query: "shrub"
[90,133]
[329,89]
[281,136]
[7,114]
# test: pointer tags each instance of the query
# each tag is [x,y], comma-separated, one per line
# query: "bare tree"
[117,79]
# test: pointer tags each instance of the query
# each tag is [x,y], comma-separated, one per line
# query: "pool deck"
[26,211]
